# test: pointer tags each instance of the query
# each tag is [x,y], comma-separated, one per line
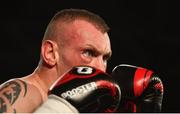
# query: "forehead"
[83,33]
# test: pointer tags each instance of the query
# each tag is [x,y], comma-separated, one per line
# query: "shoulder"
[18,88]
[14,85]
[18,95]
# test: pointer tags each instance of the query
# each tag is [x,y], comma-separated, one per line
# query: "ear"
[49,52]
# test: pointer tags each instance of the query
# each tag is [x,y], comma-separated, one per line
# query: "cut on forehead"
[69,15]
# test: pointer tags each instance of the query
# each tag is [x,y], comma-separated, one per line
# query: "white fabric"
[55,104]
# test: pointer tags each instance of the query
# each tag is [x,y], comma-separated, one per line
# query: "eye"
[88,53]
[106,58]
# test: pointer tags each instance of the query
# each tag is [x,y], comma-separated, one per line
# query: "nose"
[100,64]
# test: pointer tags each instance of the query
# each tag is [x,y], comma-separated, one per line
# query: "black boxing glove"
[141,89]
[88,90]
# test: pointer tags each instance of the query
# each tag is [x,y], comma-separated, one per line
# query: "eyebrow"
[107,55]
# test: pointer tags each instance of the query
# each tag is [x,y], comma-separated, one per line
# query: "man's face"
[83,44]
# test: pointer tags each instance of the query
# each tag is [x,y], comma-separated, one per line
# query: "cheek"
[67,60]
[70,59]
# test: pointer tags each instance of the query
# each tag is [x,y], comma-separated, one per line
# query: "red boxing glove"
[142,89]
[88,90]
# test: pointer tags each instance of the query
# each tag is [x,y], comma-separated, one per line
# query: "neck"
[46,77]
[42,78]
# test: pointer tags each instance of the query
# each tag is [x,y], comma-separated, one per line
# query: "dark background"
[143,33]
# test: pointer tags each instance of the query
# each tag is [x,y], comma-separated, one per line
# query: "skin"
[80,44]
[84,45]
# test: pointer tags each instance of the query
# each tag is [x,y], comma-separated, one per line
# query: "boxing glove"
[141,89]
[88,90]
